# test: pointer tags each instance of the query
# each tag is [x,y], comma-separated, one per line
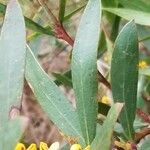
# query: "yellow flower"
[142,64]
[43,146]
[32,147]
[75,147]
[20,146]
[105,100]
[78,147]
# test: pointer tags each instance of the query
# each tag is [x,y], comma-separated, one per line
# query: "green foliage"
[139,17]
[51,99]
[12,54]
[104,133]
[84,68]
[105,109]
[124,75]
[62,5]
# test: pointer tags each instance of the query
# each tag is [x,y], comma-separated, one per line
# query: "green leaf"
[54,103]
[62,79]
[124,75]
[67,17]
[12,56]
[135,4]
[145,144]
[37,28]
[30,24]
[139,17]
[103,138]
[62,6]
[114,20]
[108,3]
[84,70]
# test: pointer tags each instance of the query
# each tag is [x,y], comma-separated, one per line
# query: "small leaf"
[84,71]
[104,134]
[139,17]
[124,75]
[54,103]
[62,6]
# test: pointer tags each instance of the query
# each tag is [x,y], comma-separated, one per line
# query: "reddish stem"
[143,115]
[61,33]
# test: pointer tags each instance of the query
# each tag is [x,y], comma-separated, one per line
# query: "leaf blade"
[103,138]
[12,50]
[54,103]
[124,82]
[84,69]
[140,17]
[62,6]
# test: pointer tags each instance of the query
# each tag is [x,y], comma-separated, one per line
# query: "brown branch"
[140,135]
[61,33]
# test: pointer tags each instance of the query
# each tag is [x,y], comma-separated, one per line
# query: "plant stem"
[60,33]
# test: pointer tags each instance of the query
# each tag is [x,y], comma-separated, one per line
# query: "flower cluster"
[142,64]
[43,146]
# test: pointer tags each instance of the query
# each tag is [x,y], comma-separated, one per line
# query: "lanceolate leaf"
[12,56]
[103,138]
[139,17]
[124,75]
[54,103]
[84,72]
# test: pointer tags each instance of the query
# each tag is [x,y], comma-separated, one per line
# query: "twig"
[140,135]
[59,30]
[61,33]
